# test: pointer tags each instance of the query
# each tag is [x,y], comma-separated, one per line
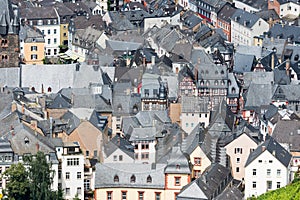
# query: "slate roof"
[290,92]
[232,193]
[82,22]
[213,181]
[233,88]
[258,4]
[281,77]
[244,18]
[243,63]
[226,12]
[178,163]
[59,102]
[287,132]
[72,122]
[267,14]
[9,20]
[274,149]
[258,94]
[36,13]
[10,76]
[106,172]
[118,142]
[30,34]
[257,78]
[250,50]
[190,19]
[123,46]
[194,104]
[285,31]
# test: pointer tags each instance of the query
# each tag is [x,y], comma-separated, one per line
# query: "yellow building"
[64,34]
[32,45]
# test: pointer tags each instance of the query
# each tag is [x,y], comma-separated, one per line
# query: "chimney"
[37,145]
[287,67]
[119,141]
[273,61]
[144,61]
[51,126]
[152,61]
[23,108]
[263,148]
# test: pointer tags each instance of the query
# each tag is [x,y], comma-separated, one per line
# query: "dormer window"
[132,179]
[149,179]
[116,178]
[177,167]
[26,140]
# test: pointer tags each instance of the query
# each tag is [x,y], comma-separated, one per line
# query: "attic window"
[216,72]
[26,140]
[177,167]
[49,89]
[132,179]
[222,72]
[116,179]
[216,82]
[233,90]
[296,58]
[119,107]
[149,179]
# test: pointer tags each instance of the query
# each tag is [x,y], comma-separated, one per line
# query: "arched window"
[216,72]
[26,140]
[229,82]
[132,179]
[222,82]
[49,89]
[233,90]
[149,179]
[207,83]
[201,82]
[222,72]
[177,167]
[116,179]
[216,82]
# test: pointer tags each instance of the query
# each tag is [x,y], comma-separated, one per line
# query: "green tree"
[41,177]
[17,188]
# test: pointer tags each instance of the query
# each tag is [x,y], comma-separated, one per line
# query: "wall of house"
[289,8]
[115,157]
[258,28]
[237,159]
[9,51]
[174,112]
[172,189]
[240,34]
[142,151]
[190,120]
[205,162]
[76,176]
[243,6]
[63,34]
[51,46]
[34,52]
[131,193]
[274,4]
[268,161]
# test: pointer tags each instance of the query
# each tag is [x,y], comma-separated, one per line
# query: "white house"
[267,168]
[174,20]
[71,174]
[244,26]
[290,9]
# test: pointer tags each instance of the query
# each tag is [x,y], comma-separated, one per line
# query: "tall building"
[9,30]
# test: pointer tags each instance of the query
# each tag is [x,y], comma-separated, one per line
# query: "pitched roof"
[146,175]
[9,19]
[178,163]
[285,31]
[244,18]
[258,94]
[243,63]
[226,12]
[118,142]
[194,104]
[274,148]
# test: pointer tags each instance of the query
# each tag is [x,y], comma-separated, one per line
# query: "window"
[146,91]
[269,185]
[65,34]
[260,161]
[270,161]
[95,153]
[78,175]
[149,179]
[109,195]
[55,50]
[254,184]
[278,172]
[237,169]
[145,146]
[254,172]
[177,181]
[268,172]
[141,195]
[197,161]
[4,43]
[116,179]
[124,195]
[186,124]
[87,184]
[55,31]
[157,195]
[79,190]
[55,40]
[72,161]
[120,158]
[278,185]
[49,31]
[132,179]
[238,150]
[115,158]
[145,156]
[238,160]
[33,56]
[136,156]
[87,153]
[67,191]
[33,48]
[49,41]
[67,175]
[197,173]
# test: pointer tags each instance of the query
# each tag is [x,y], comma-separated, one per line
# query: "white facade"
[265,173]
[243,35]
[289,9]
[51,34]
[71,176]
[118,156]
[190,120]
[161,21]
[184,3]
[243,6]
[144,151]
[102,4]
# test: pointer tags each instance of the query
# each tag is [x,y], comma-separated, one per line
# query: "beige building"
[239,150]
